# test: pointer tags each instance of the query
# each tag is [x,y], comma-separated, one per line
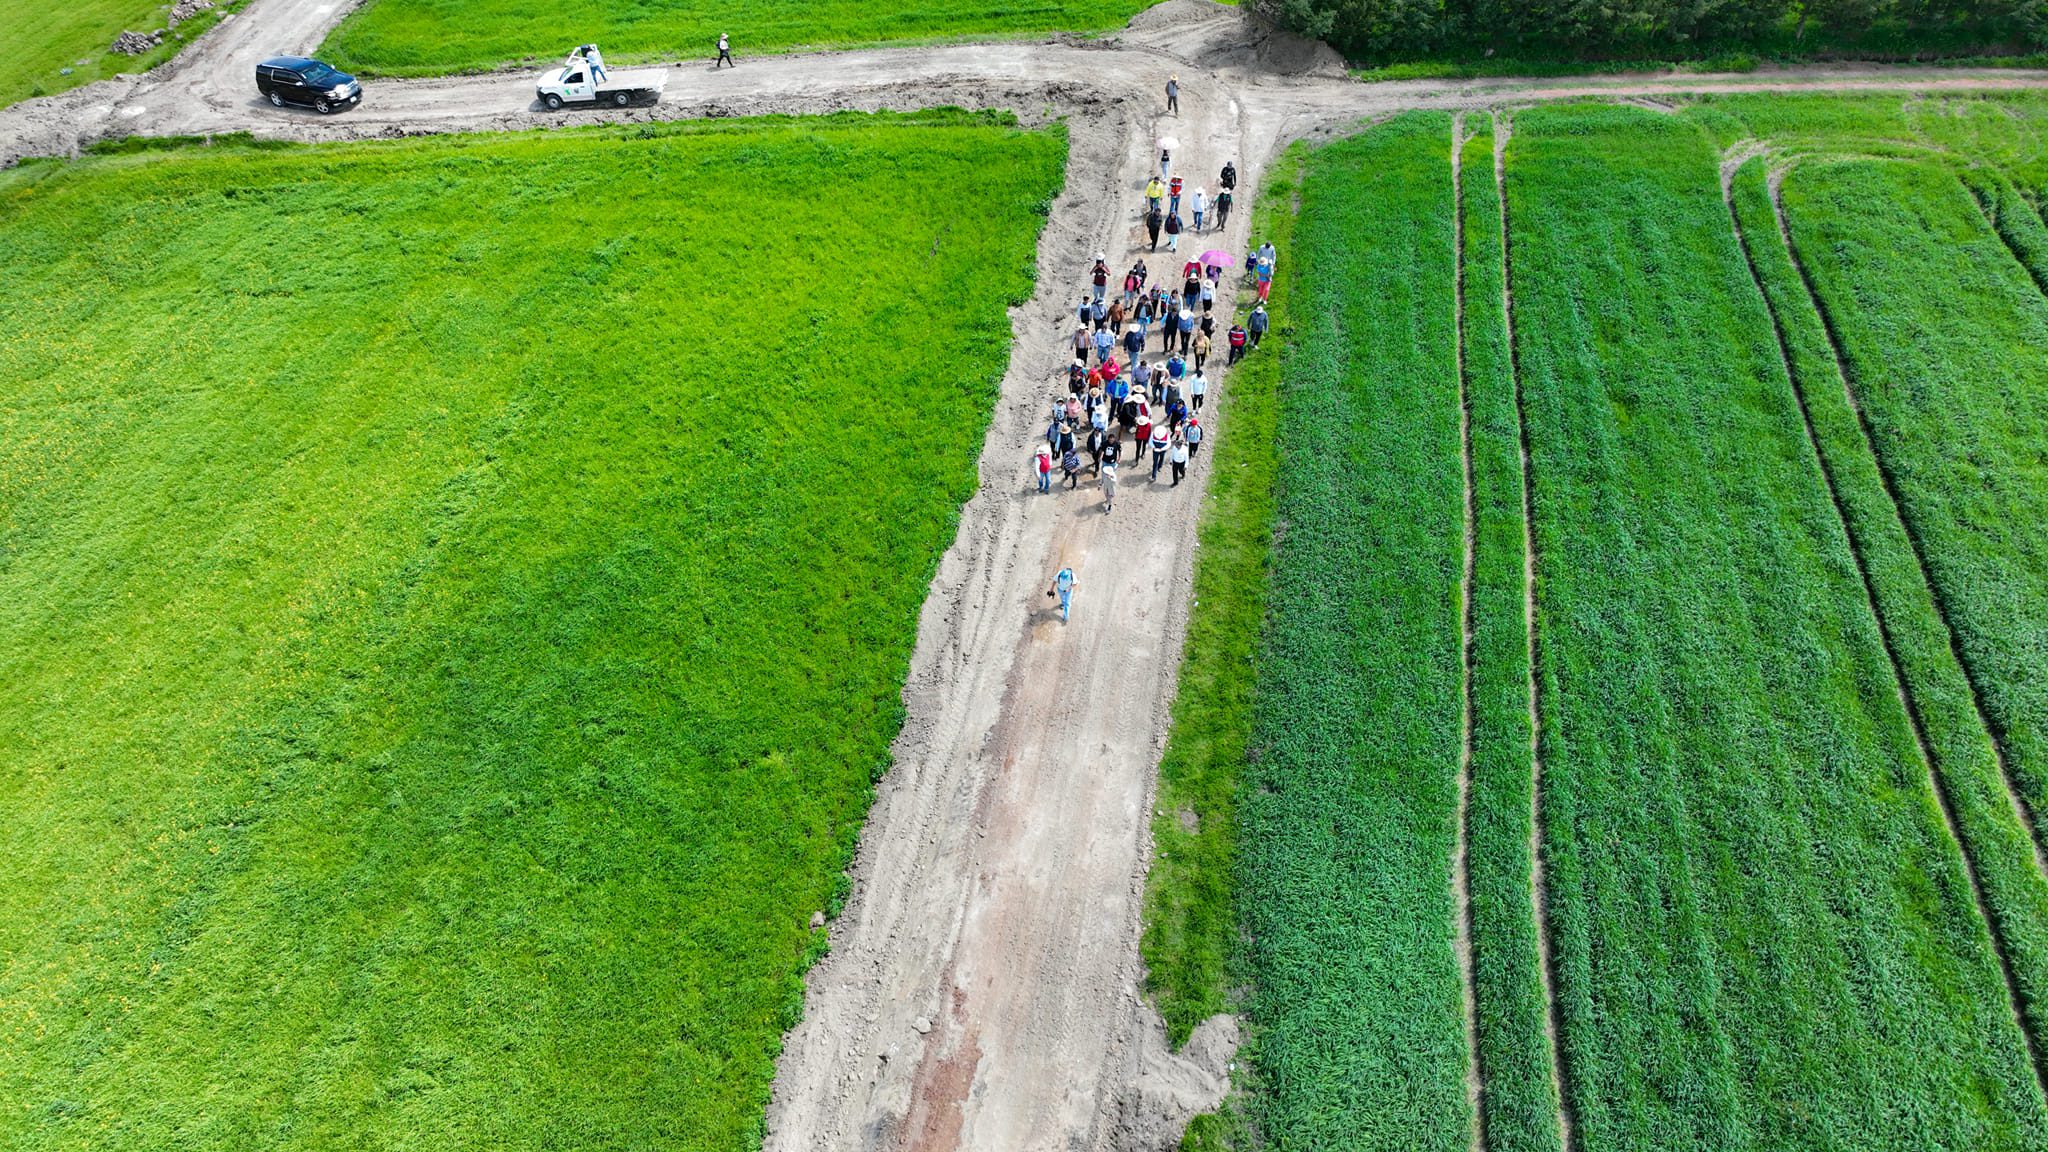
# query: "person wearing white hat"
[1197,204]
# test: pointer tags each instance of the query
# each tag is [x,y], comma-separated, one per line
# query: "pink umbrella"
[1218,258]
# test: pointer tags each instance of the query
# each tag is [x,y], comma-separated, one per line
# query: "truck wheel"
[325,106]
[553,102]
[276,100]
[622,98]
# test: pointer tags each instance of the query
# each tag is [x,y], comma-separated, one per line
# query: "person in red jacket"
[1237,342]
[1173,195]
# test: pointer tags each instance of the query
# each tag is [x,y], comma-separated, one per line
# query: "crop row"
[1348,810]
[1764,936]
[1519,1101]
[1992,834]
[1940,329]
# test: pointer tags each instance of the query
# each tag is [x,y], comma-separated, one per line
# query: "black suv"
[296,80]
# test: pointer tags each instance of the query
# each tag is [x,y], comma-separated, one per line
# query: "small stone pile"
[137,43]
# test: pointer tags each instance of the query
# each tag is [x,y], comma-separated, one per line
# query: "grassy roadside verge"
[1190,918]
[438,37]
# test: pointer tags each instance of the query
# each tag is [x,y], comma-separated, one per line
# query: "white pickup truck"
[572,84]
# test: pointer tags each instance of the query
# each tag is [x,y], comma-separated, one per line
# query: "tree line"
[1387,30]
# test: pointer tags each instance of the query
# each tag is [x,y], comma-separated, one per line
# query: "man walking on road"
[724,53]
[1063,587]
[1173,95]
[1153,221]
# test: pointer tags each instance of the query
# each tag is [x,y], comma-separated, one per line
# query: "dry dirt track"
[983,986]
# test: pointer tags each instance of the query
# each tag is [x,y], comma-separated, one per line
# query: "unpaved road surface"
[983,989]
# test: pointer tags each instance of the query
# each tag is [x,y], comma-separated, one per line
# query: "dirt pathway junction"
[984,988]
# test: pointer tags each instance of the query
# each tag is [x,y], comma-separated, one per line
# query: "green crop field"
[431,37]
[450,620]
[39,40]
[1774,436]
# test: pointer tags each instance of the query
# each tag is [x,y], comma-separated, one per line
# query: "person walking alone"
[1098,276]
[1173,95]
[1109,484]
[1041,467]
[1063,587]
[724,53]
[1197,204]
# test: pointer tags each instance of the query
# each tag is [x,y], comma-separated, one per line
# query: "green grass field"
[1786,526]
[431,37]
[450,620]
[38,41]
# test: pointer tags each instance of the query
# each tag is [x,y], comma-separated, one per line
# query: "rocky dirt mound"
[136,43]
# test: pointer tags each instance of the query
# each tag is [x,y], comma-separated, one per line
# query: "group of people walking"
[1118,407]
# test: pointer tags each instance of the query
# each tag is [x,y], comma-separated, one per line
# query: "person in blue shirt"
[1063,587]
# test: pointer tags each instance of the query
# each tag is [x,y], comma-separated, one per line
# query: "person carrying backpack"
[724,53]
[1229,177]
[1063,587]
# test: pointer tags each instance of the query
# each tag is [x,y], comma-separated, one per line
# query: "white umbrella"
[1168,144]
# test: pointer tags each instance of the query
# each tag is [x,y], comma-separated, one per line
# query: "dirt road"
[983,986]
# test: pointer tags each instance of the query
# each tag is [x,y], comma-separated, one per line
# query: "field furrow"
[1349,809]
[1764,935]
[1520,1105]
